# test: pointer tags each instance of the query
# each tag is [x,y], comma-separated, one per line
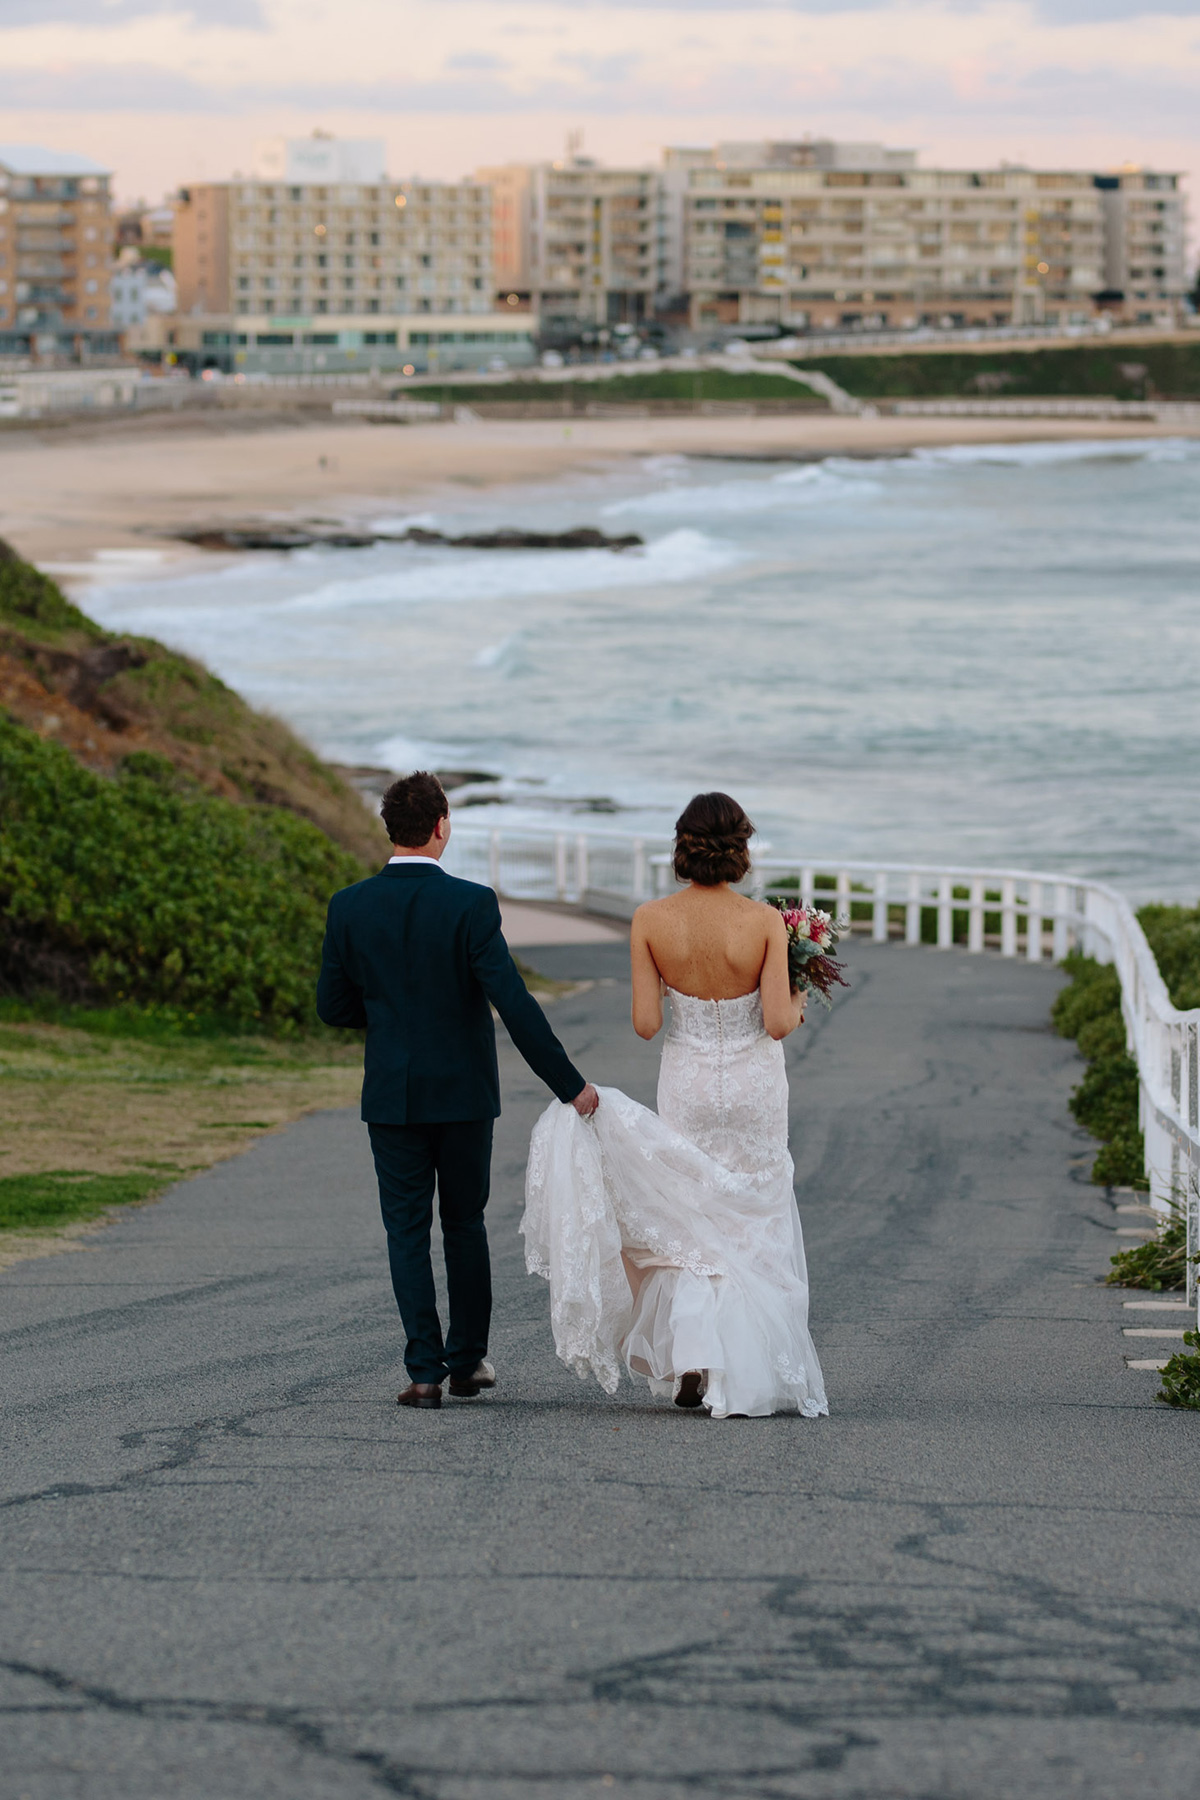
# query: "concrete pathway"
[231,1569]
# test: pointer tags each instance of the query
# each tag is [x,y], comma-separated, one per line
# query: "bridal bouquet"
[812,937]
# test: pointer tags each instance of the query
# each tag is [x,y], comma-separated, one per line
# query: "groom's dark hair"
[412,807]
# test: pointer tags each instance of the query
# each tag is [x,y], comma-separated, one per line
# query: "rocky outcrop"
[305,537]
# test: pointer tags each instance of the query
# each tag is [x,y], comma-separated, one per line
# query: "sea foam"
[466,575]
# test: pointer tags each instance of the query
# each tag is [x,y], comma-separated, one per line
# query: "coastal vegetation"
[1181,1375]
[166,855]
[101,1107]
[638,387]
[1110,371]
[104,695]
[1106,1100]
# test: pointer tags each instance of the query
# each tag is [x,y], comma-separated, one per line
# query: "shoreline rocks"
[307,537]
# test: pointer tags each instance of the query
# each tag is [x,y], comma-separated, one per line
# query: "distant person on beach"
[418,958]
[671,1240]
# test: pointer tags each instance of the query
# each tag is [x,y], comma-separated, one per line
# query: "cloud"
[120,88]
[246,13]
[883,95]
[1051,12]
[475,59]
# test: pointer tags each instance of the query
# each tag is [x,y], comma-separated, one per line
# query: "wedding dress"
[693,1207]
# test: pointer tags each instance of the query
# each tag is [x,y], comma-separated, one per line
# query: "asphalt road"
[232,1569]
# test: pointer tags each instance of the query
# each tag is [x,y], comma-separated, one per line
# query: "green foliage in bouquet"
[1181,1376]
[146,890]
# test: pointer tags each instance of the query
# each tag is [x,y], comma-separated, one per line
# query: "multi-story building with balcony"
[576,242]
[1145,266]
[328,264]
[55,252]
[828,235]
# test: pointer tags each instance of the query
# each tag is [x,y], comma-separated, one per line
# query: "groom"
[417,957]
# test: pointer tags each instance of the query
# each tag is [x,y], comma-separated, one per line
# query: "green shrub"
[1173,933]
[29,597]
[1106,1100]
[1181,1376]
[1161,1263]
[147,889]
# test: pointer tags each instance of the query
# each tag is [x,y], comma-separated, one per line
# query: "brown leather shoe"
[421,1393]
[465,1387]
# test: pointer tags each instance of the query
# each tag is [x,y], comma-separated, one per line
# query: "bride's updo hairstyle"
[712,839]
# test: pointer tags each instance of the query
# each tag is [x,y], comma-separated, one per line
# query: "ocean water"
[976,654]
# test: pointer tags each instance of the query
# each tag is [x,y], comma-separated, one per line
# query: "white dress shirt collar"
[430,862]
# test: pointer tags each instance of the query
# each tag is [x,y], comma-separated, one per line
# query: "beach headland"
[69,492]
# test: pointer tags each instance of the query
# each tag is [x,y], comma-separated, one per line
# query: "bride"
[671,1240]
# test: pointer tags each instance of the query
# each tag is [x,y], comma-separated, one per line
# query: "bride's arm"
[782,1009]
[647,982]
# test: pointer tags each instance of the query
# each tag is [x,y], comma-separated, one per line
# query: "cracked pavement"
[232,1569]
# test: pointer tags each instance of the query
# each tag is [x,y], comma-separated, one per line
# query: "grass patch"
[142,1110]
[637,388]
[59,1196]
[1121,372]
[1181,1376]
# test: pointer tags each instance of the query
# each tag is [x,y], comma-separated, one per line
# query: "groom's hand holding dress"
[418,958]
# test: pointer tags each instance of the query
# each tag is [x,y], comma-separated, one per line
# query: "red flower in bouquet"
[812,937]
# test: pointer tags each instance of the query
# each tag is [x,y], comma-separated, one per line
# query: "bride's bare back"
[715,944]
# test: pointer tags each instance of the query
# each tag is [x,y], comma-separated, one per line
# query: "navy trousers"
[410,1161]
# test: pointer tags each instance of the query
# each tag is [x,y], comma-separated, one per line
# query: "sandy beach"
[69,493]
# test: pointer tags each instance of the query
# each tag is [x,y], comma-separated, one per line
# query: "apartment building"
[576,242]
[830,245]
[55,249]
[825,236]
[319,260]
[1145,262]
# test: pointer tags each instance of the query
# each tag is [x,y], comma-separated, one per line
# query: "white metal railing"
[1016,913]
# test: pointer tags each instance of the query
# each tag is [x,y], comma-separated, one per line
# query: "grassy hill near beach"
[166,856]
[1113,372]
[104,695]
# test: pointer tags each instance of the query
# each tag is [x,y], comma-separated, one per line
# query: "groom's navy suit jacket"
[417,956]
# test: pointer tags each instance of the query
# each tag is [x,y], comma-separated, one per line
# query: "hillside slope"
[104,695]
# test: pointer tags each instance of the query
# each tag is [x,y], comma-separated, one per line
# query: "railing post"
[945,914]
[843,898]
[1062,922]
[808,885]
[1008,917]
[639,869]
[879,910]
[912,911]
[560,866]
[581,867]
[494,860]
[975,916]
[1033,924]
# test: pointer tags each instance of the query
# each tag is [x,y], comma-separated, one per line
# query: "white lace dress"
[671,1240]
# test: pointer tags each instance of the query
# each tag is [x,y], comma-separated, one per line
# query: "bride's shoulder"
[652,912]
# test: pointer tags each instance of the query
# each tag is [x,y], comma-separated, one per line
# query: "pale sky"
[164,92]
